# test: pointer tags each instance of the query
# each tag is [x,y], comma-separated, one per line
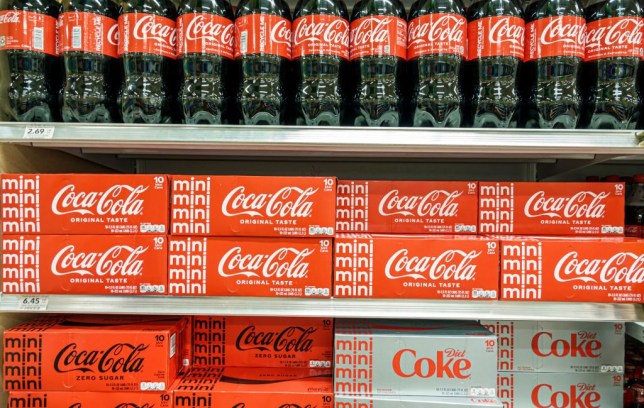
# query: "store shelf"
[352,308]
[636,330]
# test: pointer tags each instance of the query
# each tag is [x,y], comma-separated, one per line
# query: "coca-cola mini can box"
[84,204]
[85,264]
[253,206]
[572,269]
[286,267]
[287,342]
[406,401]
[109,399]
[551,208]
[416,266]
[549,347]
[407,207]
[389,357]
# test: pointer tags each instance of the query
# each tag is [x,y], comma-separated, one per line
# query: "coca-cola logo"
[448,27]
[451,265]
[113,35]
[583,204]
[292,202]
[371,31]
[283,263]
[504,30]
[199,28]
[8,17]
[118,358]
[625,31]
[147,28]
[581,395]
[437,203]
[119,260]
[622,267]
[120,199]
[290,339]
[561,30]
[582,344]
[281,32]
[448,363]
[133,405]
[335,31]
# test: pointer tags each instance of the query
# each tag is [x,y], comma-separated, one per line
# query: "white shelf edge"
[636,330]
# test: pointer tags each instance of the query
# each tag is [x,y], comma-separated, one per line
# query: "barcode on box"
[39,41]
[243,42]
[76,36]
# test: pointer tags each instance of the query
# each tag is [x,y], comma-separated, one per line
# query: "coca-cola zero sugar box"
[291,267]
[430,358]
[254,388]
[85,264]
[407,207]
[108,399]
[548,347]
[416,266]
[406,401]
[566,390]
[551,208]
[92,354]
[288,342]
[84,204]
[253,206]
[572,269]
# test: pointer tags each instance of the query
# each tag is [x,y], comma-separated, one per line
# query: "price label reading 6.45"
[33,303]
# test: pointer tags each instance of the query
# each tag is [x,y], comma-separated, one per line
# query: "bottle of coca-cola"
[635,208]
[378,50]
[614,47]
[29,50]
[555,38]
[147,41]
[320,57]
[495,50]
[89,46]
[436,47]
[263,54]
[205,41]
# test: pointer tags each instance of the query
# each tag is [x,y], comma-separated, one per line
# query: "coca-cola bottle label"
[320,34]
[88,32]
[561,36]
[148,34]
[500,36]
[378,35]
[440,33]
[201,33]
[28,31]
[263,34]
[615,37]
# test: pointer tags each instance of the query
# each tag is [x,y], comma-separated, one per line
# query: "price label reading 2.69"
[39,132]
[33,303]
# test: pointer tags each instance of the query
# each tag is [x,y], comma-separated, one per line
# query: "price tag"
[36,303]
[38,132]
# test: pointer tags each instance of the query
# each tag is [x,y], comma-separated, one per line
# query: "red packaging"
[378,35]
[28,31]
[98,33]
[572,269]
[263,34]
[499,36]
[437,33]
[554,37]
[526,208]
[147,33]
[250,267]
[92,354]
[84,264]
[204,33]
[615,37]
[321,34]
[254,388]
[253,206]
[407,207]
[84,204]
[416,266]
[60,399]
[286,342]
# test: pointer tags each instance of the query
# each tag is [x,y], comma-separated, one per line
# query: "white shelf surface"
[348,308]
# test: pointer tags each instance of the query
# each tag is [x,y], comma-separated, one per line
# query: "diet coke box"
[416,266]
[551,208]
[62,399]
[287,267]
[565,390]
[237,387]
[389,357]
[572,269]
[240,341]
[559,347]
[407,207]
[84,204]
[85,264]
[406,401]
[253,206]
[88,354]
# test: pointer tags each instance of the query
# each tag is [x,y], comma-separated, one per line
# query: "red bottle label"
[378,35]
[320,34]
[615,37]
[496,37]
[263,34]
[147,33]
[562,36]
[28,31]
[201,33]
[88,32]
[439,33]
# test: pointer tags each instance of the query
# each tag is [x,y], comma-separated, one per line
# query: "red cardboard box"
[60,399]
